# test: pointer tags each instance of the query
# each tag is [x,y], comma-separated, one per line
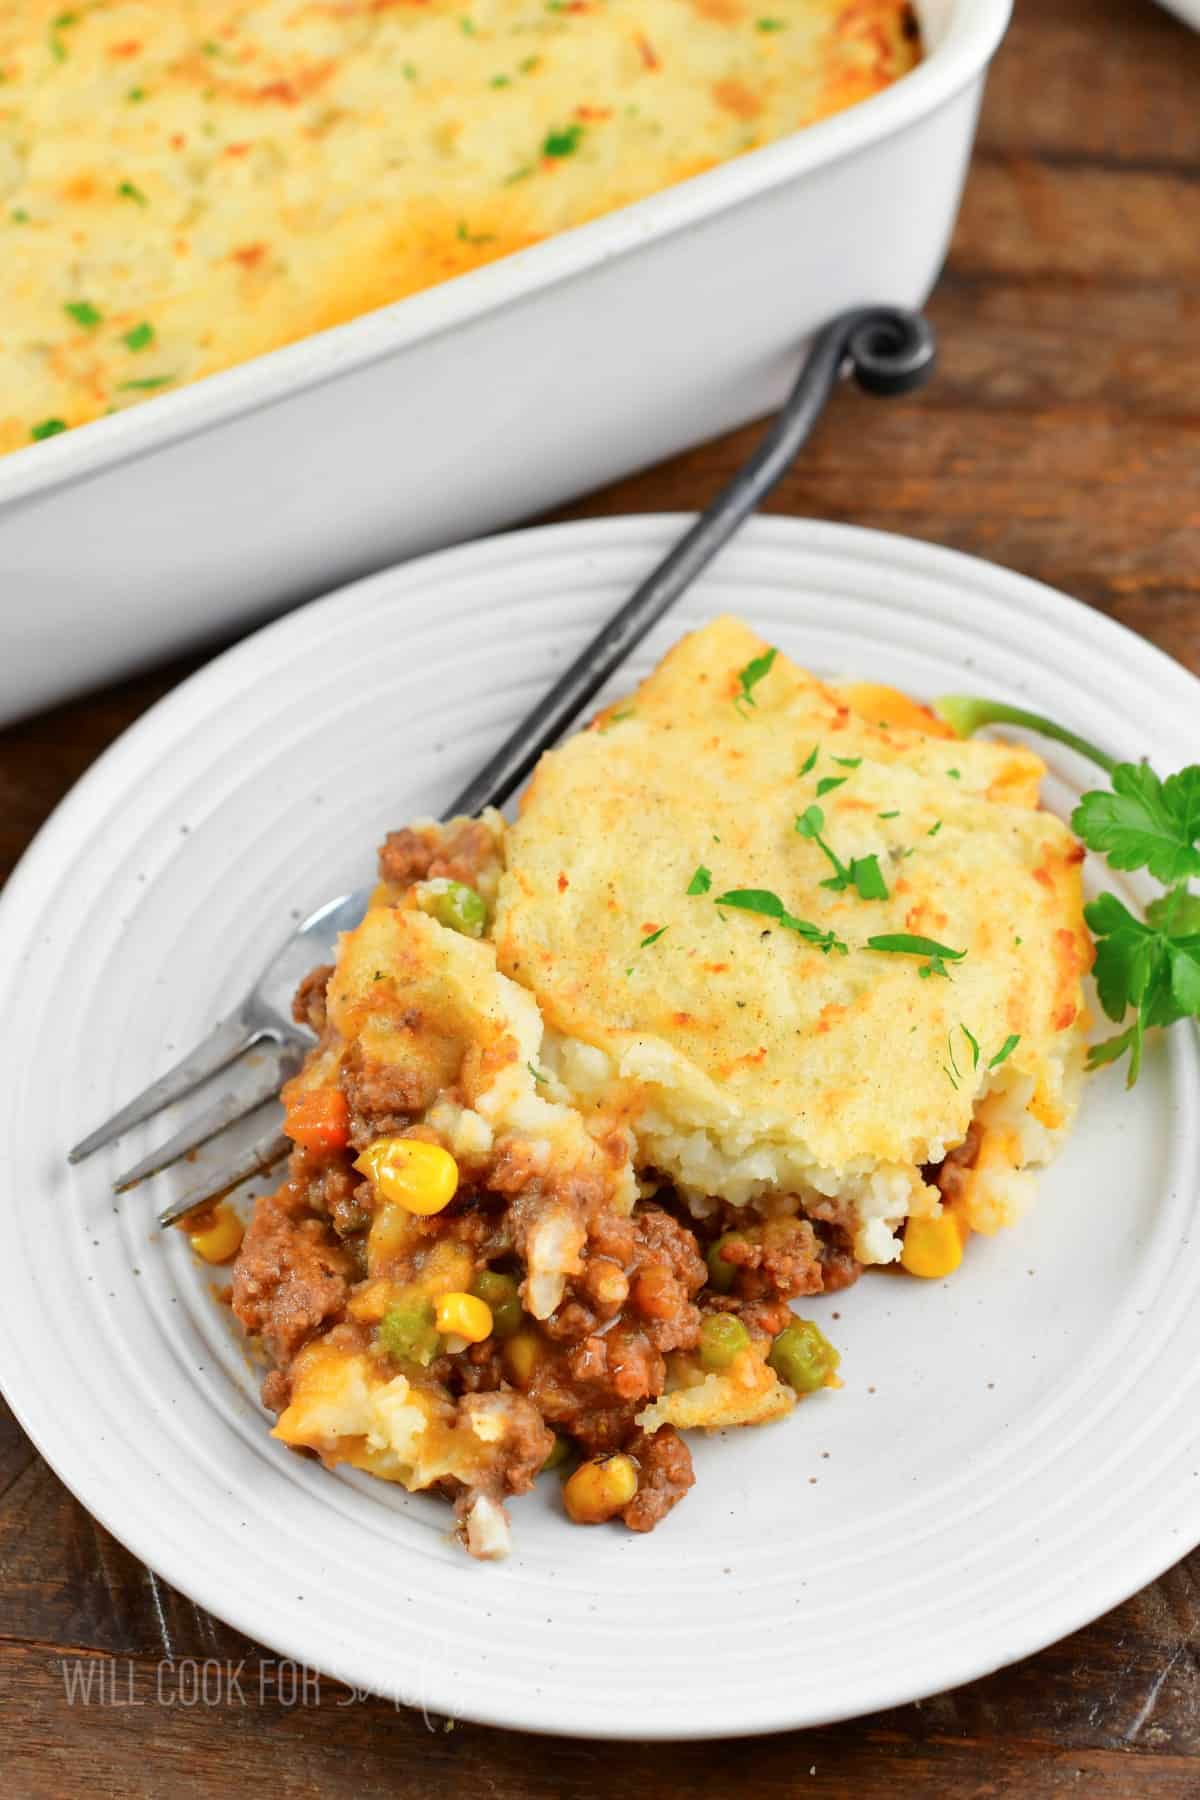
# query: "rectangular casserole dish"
[486,399]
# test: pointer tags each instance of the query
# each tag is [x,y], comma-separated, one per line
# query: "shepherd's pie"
[770,980]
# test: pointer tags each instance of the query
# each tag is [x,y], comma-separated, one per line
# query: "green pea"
[723,1337]
[407,1331]
[459,907]
[720,1271]
[501,1294]
[803,1357]
[559,1455]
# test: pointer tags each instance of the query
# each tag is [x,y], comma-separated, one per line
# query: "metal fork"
[889,351]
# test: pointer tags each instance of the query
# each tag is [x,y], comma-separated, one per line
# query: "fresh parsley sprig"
[1149,967]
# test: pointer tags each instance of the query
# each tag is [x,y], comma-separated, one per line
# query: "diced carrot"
[318,1118]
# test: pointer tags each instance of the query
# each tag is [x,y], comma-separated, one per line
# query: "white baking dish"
[481,401]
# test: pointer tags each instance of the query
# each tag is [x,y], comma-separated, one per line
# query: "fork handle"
[889,350]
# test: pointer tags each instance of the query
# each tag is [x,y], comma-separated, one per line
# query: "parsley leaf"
[139,337]
[868,878]
[848,762]
[653,938]
[1145,823]
[564,142]
[863,874]
[84,313]
[748,679]
[47,428]
[1142,966]
[701,881]
[810,761]
[1005,1051]
[761,900]
[974,1043]
[906,943]
[827,784]
[1177,911]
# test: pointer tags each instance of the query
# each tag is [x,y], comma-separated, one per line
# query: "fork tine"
[280,1061]
[223,1043]
[262,1155]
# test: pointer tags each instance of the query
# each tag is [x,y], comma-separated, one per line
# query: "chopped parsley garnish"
[761,900]
[562,142]
[766,25]
[500,81]
[848,762]
[145,385]
[139,337]
[1005,1051]
[810,761]
[58,49]
[653,938]
[84,313]
[756,670]
[827,784]
[701,881]
[974,1043]
[129,190]
[467,26]
[954,774]
[466,236]
[905,943]
[518,175]
[211,48]
[863,874]
[536,1072]
[934,828]
[47,428]
[409,71]
[888,815]
[868,878]
[135,95]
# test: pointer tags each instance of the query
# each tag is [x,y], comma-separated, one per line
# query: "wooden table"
[1063,439]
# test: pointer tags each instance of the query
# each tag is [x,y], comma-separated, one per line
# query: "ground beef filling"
[597,1360]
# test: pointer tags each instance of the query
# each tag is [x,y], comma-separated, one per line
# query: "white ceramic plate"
[1014,1451]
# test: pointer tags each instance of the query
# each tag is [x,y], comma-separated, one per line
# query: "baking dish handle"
[888,350]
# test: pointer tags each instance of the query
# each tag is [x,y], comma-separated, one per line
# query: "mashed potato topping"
[187,183]
[747,1057]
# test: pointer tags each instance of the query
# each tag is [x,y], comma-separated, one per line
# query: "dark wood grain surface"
[1062,438]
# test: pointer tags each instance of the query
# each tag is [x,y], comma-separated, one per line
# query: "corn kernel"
[521,1355]
[599,1489]
[220,1239]
[934,1247]
[464,1316]
[420,1177]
